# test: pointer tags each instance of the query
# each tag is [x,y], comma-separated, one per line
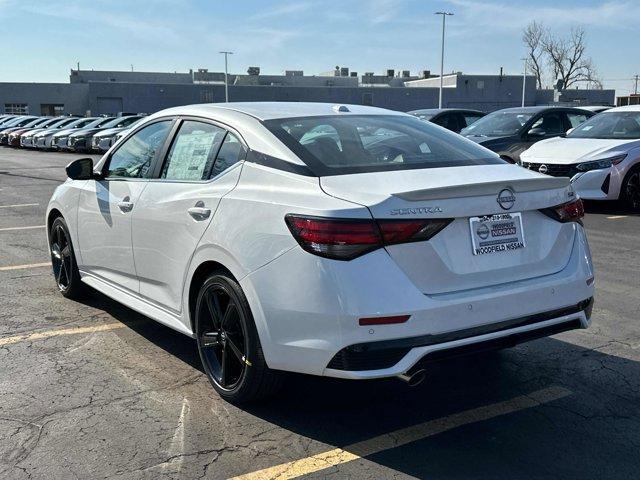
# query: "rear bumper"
[307,309]
[388,354]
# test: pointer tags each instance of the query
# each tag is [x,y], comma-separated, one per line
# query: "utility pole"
[444,16]
[635,90]
[226,75]
[524,79]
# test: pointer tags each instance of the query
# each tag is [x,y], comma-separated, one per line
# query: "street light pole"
[524,79]
[226,75]
[444,15]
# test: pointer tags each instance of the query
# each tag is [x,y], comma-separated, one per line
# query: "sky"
[43,39]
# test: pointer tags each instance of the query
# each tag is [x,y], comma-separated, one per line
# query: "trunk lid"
[447,263]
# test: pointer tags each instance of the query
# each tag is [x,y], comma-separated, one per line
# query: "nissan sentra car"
[601,156]
[335,240]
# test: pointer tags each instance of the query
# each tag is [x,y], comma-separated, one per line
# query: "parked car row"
[597,147]
[65,133]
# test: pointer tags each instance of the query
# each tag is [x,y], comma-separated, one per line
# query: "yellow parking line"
[60,332]
[7,229]
[17,205]
[404,436]
[616,217]
[23,267]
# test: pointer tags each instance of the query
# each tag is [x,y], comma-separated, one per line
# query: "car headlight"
[601,164]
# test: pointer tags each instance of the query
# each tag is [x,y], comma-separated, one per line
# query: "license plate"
[496,233]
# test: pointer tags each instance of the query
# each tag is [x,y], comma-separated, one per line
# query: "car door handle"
[125,205]
[199,213]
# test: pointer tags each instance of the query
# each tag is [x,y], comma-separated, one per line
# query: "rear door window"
[193,152]
[231,152]
[552,123]
[576,119]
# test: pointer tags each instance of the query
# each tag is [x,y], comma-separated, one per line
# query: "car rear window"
[338,145]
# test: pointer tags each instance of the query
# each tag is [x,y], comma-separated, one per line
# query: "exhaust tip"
[414,379]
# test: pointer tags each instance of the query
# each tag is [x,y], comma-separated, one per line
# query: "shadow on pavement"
[594,432]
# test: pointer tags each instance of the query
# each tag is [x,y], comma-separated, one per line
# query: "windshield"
[498,124]
[120,122]
[49,122]
[613,125]
[35,122]
[80,122]
[337,145]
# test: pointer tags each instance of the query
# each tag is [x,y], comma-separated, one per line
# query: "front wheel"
[63,260]
[228,343]
[630,192]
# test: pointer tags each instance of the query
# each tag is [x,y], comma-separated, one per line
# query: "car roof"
[536,109]
[626,108]
[440,110]
[274,110]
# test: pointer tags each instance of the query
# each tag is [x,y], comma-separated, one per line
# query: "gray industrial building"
[111,92]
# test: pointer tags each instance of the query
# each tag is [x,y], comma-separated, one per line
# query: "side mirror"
[570,130]
[81,169]
[536,132]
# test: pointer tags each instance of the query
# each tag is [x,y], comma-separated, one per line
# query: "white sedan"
[335,240]
[601,156]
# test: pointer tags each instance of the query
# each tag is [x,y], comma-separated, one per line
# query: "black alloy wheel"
[631,189]
[222,339]
[61,257]
[228,342]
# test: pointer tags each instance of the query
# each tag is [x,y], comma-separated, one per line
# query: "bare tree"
[533,39]
[567,59]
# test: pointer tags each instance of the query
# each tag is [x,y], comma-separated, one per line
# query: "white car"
[601,156]
[336,240]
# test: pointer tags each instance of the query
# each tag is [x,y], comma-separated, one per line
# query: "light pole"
[226,73]
[444,16]
[524,79]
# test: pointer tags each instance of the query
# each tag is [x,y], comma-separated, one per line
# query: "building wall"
[86,76]
[105,97]
[74,97]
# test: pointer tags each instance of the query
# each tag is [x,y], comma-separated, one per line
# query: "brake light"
[345,239]
[567,212]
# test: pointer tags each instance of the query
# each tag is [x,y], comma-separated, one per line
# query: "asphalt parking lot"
[94,390]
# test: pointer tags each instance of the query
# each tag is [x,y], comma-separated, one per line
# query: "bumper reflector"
[383,320]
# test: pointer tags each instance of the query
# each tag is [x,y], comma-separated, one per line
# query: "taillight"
[345,239]
[572,211]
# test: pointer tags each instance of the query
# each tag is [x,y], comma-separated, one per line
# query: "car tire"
[630,191]
[63,261]
[229,345]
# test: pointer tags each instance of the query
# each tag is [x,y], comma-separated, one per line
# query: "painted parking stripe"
[18,205]
[401,437]
[616,217]
[9,229]
[29,337]
[25,266]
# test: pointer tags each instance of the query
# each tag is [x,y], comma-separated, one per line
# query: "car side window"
[231,152]
[193,151]
[135,156]
[576,119]
[470,118]
[551,123]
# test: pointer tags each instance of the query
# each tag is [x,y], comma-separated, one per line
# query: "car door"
[201,166]
[106,207]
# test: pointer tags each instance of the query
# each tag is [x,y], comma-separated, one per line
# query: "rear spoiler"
[485,188]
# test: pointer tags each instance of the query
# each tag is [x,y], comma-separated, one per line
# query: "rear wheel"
[630,192]
[63,260]
[228,343]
